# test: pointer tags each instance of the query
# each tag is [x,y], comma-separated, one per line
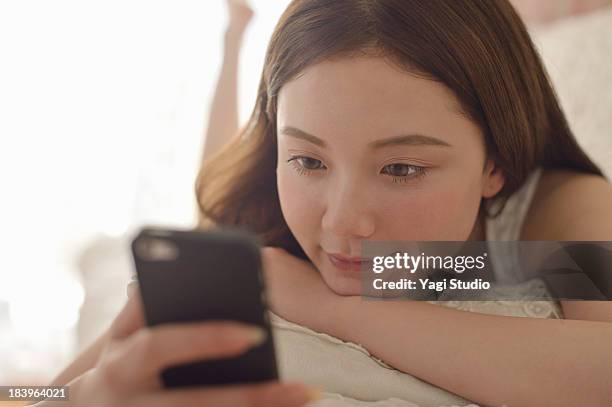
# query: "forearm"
[223,117]
[85,361]
[73,387]
[493,360]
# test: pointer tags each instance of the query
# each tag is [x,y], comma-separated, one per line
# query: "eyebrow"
[405,139]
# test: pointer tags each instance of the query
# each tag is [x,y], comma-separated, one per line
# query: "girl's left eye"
[404,172]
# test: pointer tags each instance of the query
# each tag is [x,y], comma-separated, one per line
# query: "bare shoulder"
[569,205]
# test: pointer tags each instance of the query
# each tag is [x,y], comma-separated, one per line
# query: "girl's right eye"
[305,165]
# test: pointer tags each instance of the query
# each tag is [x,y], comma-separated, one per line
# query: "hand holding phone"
[191,276]
[127,372]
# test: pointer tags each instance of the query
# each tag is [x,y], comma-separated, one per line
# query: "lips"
[348,263]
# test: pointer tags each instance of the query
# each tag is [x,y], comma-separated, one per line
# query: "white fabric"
[347,372]
[507,227]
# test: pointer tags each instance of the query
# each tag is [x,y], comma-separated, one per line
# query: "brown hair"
[479,49]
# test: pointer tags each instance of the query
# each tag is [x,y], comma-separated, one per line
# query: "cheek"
[299,203]
[444,212]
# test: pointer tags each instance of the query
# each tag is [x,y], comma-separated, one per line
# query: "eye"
[305,165]
[403,172]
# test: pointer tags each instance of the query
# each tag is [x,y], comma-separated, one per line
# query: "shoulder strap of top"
[507,227]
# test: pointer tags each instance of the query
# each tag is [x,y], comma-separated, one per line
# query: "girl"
[416,120]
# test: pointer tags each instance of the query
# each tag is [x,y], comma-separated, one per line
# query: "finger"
[130,318]
[151,350]
[270,394]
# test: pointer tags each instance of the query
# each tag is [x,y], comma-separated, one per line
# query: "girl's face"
[367,151]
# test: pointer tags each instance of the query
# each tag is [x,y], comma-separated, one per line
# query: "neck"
[479,231]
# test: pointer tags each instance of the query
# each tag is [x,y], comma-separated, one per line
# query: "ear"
[493,179]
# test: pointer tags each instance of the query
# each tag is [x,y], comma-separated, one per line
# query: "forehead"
[365,94]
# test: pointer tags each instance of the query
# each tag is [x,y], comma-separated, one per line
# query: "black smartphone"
[196,275]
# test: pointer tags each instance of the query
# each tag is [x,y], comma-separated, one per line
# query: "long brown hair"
[479,49]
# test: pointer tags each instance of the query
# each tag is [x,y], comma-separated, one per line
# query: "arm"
[493,360]
[223,117]
[126,321]
[85,361]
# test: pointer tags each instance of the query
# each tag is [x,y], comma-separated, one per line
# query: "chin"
[342,285]
[333,278]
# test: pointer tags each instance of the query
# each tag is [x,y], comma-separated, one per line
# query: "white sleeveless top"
[351,376]
[506,266]
[508,225]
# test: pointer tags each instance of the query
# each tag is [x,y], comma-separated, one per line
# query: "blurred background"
[103,106]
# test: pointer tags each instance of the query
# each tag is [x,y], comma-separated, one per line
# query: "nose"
[348,213]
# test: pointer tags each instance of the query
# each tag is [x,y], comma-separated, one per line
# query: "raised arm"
[223,117]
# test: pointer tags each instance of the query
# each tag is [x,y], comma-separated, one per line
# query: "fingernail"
[314,394]
[300,394]
[256,335]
